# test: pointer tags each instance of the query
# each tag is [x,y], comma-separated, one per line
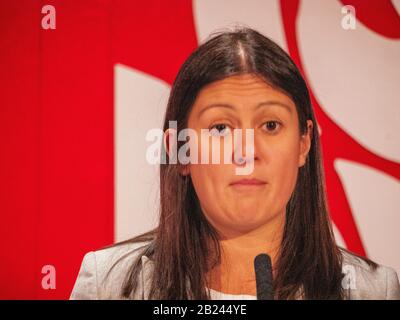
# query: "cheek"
[284,166]
[207,180]
[286,175]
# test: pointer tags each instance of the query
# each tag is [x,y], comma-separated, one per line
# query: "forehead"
[240,89]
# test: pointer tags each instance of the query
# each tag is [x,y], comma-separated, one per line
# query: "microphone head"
[263,271]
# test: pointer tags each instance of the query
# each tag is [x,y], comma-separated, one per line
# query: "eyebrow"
[261,104]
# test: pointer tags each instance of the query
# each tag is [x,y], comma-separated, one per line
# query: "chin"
[248,219]
[248,212]
[246,227]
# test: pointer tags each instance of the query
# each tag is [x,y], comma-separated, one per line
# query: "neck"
[235,274]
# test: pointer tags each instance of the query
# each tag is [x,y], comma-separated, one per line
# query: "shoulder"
[365,281]
[103,271]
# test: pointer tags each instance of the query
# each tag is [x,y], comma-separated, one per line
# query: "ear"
[305,143]
[170,143]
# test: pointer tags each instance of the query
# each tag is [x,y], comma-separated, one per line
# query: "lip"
[248,182]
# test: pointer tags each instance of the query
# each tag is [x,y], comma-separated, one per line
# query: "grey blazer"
[102,274]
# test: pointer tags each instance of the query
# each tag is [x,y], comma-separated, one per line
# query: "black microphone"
[263,270]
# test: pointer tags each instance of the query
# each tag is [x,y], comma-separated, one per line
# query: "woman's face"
[246,102]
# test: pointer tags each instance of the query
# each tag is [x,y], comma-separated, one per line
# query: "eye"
[220,130]
[272,126]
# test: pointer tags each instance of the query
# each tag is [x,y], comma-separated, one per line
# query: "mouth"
[248,184]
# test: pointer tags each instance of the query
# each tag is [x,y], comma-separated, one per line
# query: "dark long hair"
[184,246]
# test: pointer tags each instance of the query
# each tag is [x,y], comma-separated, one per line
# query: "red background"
[56,125]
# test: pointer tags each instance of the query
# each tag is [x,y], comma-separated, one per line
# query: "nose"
[244,151]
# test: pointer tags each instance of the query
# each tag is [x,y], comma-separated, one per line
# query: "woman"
[213,221]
